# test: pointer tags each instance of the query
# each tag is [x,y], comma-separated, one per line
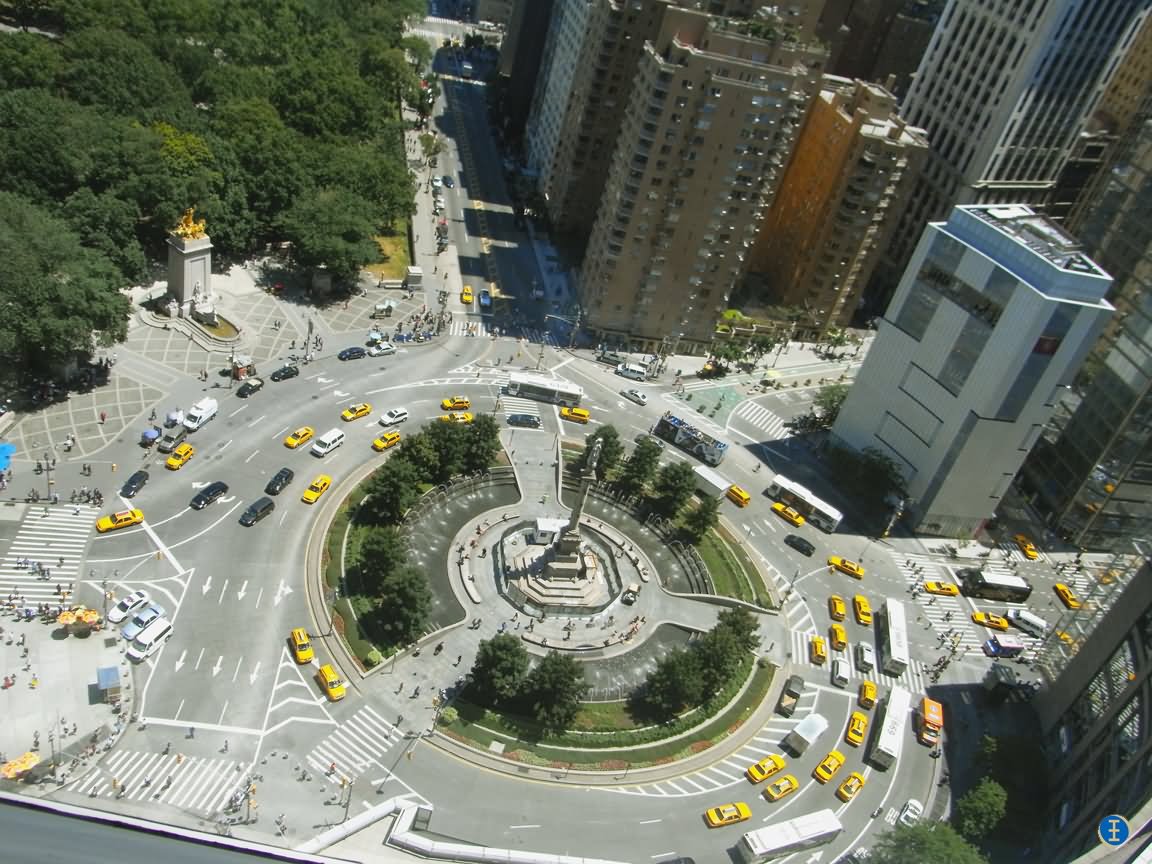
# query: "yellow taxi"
[1067,595]
[1026,546]
[355,412]
[301,436]
[119,520]
[331,683]
[789,515]
[987,619]
[944,589]
[466,295]
[852,784]
[818,650]
[576,415]
[727,814]
[180,457]
[786,785]
[845,566]
[837,637]
[863,610]
[456,417]
[388,439]
[319,487]
[857,728]
[760,771]
[455,403]
[836,608]
[866,698]
[827,769]
[301,645]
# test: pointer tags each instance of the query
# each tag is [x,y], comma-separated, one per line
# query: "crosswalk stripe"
[198,783]
[762,418]
[63,533]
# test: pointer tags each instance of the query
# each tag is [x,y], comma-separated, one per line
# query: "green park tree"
[402,605]
[450,441]
[980,810]
[827,403]
[925,841]
[421,451]
[675,483]
[640,468]
[500,669]
[332,229]
[481,443]
[554,689]
[391,490]
[676,683]
[382,549]
[699,520]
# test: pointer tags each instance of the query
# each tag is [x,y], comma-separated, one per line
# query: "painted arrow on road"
[219,665]
[180,662]
[207,586]
[341,394]
[282,591]
[254,673]
[320,380]
[196,484]
[228,500]
[243,590]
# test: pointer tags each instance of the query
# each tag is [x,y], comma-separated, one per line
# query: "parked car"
[127,606]
[141,620]
[353,353]
[381,349]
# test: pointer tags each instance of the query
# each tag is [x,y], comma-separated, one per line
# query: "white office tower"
[994,314]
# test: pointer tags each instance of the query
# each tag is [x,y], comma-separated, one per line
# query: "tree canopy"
[924,841]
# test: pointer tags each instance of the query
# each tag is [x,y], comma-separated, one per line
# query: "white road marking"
[250,458]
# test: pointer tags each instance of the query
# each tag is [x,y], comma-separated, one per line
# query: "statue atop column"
[189,227]
[190,265]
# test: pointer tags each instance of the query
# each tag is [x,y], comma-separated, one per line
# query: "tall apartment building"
[994,315]
[1002,92]
[1091,473]
[711,123]
[854,164]
[521,54]
[586,77]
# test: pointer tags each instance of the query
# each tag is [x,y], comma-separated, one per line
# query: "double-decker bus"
[892,723]
[994,586]
[687,437]
[544,388]
[821,514]
[784,838]
[892,637]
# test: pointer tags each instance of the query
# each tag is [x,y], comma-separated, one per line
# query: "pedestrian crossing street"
[200,784]
[469,326]
[760,417]
[518,405]
[359,743]
[913,678]
[61,534]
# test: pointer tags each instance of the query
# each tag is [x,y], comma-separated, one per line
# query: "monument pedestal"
[189,268]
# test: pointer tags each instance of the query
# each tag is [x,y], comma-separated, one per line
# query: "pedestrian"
[225,745]
[459,657]
[103,416]
[191,731]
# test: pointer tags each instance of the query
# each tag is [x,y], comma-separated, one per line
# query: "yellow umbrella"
[67,617]
[20,765]
[90,616]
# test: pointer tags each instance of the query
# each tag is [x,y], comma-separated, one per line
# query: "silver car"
[142,619]
[636,396]
[126,606]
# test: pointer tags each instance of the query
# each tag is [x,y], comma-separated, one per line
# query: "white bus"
[544,388]
[821,514]
[784,838]
[891,725]
[892,637]
[632,370]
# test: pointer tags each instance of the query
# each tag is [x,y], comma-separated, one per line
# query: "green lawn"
[393,255]
[733,573]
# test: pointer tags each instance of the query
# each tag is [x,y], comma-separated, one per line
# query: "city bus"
[892,637]
[891,723]
[784,838]
[821,514]
[994,586]
[545,388]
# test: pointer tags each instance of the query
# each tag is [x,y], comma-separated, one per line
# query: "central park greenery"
[278,120]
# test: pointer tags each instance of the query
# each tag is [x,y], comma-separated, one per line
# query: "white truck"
[200,413]
[709,482]
[806,733]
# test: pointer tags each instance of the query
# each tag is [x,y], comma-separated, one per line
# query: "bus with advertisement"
[994,586]
[821,514]
[891,723]
[784,838]
[687,437]
[892,637]
[1004,645]
[544,388]
[931,722]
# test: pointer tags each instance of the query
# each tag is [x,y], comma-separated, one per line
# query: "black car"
[530,421]
[800,545]
[257,510]
[209,494]
[353,353]
[448,181]
[134,484]
[252,385]
[285,372]
[279,481]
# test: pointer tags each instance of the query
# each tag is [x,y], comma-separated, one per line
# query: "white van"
[328,442]
[632,370]
[1030,623]
[840,672]
[200,413]
[865,657]
[150,640]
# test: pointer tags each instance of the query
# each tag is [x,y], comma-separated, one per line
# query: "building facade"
[1091,472]
[854,164]
[1002,92]
[996,312]
[712,120]
[521,54]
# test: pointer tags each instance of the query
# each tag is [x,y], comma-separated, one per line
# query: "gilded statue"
[190,228]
